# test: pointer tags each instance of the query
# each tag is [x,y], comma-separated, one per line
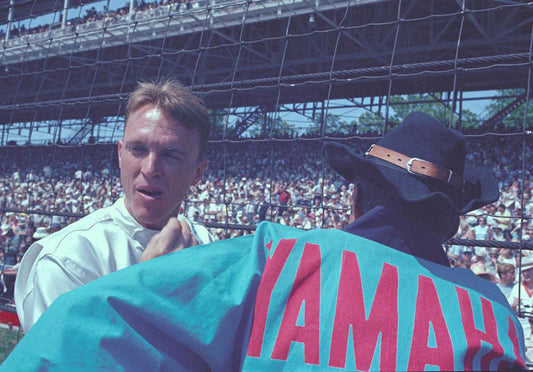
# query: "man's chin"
[151,220]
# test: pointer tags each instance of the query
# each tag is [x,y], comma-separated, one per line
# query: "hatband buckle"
[410,164]
[422,168]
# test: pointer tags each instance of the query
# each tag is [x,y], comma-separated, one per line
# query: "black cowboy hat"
[424,161]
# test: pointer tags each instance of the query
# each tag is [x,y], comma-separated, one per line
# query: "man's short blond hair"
[177,101]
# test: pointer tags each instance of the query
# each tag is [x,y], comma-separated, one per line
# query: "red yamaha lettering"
[302,305]
[429,312]
[305,292]
[474,336]
[350,311]
[516,347]
[273,268]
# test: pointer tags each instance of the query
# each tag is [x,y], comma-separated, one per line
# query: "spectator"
[466,257]
[263,208]
[478,259]
[482,230]
[497,233]
[481,272]
[506,273]
[494,259]
[284,197]
[502,218]
[12,245]
[9,273]
[522,300]
[507,256]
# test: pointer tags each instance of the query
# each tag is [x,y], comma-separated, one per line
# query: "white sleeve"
[50,279]
[42,278]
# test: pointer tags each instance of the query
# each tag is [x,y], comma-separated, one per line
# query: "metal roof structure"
[262,54]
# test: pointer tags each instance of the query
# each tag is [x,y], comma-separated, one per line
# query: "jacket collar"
[126,221]
[380,226]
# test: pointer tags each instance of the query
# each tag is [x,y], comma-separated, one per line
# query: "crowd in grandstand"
[246,182]
[285,181]
[93,14]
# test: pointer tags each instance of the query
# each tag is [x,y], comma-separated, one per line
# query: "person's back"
[280,299]
[11,250]
[337,300]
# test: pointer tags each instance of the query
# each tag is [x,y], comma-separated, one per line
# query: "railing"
[165,21]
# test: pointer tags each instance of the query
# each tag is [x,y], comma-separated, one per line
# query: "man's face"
[527,275]
[508,277]
[158,160]
[467,255]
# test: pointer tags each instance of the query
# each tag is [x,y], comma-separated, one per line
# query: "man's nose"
[151,166]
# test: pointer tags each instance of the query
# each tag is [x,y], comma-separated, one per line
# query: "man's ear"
[119,152]
[200,170]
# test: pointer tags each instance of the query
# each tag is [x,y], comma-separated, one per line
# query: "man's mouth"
[149,192]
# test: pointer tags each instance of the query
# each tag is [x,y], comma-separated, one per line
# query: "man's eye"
[137,149]
[173,156]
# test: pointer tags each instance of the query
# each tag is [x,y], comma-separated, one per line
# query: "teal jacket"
[282,299]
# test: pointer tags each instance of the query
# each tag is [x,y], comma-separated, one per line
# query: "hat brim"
[480,187]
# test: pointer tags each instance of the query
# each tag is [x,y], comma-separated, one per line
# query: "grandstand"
[279,77]
[293,55]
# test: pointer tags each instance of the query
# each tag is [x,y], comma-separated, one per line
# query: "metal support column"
[9,19]
[64,18]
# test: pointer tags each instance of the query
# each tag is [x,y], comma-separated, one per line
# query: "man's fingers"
[164,241]
[170,235]
[186,238]
[175,236]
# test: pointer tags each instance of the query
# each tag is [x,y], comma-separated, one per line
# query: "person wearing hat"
[378,295]
[484,274]
[418,174]
[467,254]
[493,260]
[40,233]
[479,258]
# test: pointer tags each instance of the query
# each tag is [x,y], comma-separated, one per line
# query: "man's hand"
[175,236]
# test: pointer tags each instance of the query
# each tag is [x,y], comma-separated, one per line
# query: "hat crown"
[423,137]
[526,262]
[40,232]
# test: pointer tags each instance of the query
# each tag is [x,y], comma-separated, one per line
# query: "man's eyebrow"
[175,149]
[178,150]
[133,142]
